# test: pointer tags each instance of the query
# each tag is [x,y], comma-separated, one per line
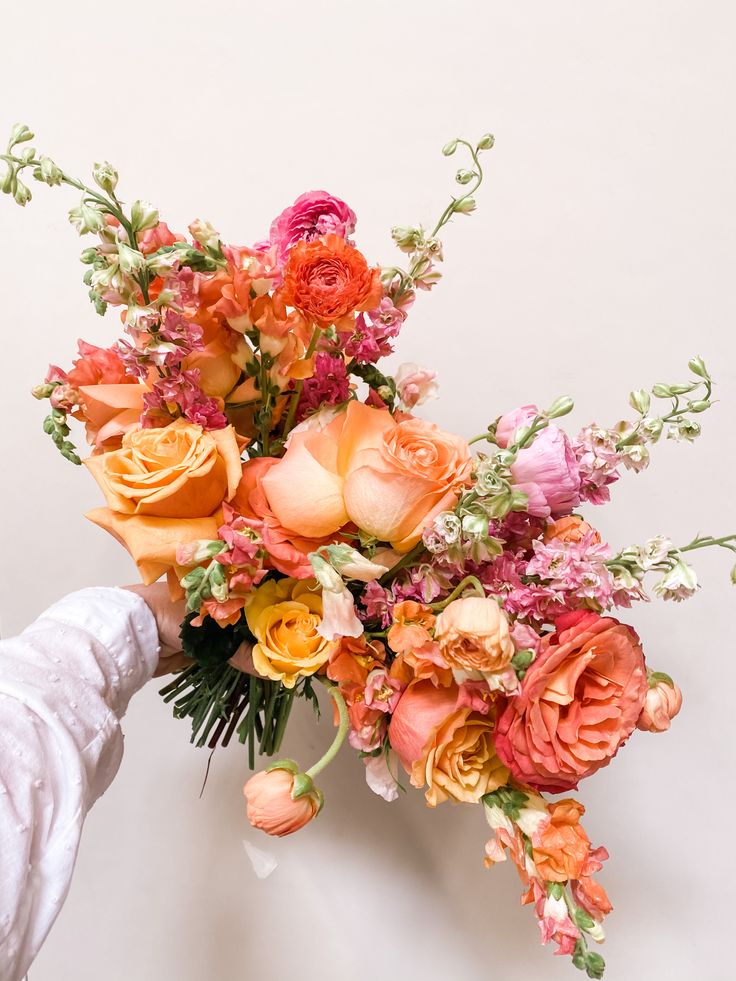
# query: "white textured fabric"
[65,683]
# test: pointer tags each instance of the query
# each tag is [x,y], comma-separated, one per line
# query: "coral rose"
[164,488]
[271,806]
[390,478]
[578,704]
[285,616]
[327,279]
[547,471]
[473,635]
[446,747]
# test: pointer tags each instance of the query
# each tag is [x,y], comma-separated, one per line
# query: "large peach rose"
[579,702]
[390,478]
[164,487]
[445,746]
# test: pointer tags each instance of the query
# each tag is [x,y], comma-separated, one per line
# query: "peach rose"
[578,704]
[284,617]
[449,749]
[571,528]
[390,478]
[272,807]
[164,488]
[327,279]
[473,635]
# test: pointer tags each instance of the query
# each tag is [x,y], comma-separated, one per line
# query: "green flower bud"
[143,215]
[105,176]
[86,218]
[22,194]
[682,389]
[640,400]
[486,142]
[464,176]
[20,134]
[698,406]
[697,366]
[449,148]
[131,261]
[661,391]
[49,173]
[88,256]
[560,407]
[8,181]
[465,206]
[28,154]
[42,391]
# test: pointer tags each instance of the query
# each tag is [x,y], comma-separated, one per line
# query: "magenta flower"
[312,215]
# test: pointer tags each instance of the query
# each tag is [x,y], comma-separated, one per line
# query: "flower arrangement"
[456,606]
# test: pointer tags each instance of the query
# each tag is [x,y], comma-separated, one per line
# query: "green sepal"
[291,765]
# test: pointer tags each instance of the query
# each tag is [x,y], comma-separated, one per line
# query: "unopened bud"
[661,391]
[105,176]
[48,172]
[6,186]
[465,206]
[697,366]
[20,134]
[698,406]
[640,400]
[486,142]
[406,237]
[449,148]
[131,261]
[464,176]
[143,215]
[22,194]
[86,218]
[560,407]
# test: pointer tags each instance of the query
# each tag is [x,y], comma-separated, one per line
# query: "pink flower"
[153,239]
[547,471]
[598,463]
[374,330]
[415,385]
[382,691]
[663,702]
[327,387]
[312,215]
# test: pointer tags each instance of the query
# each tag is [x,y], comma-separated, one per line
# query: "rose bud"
[662,703]
[281,800]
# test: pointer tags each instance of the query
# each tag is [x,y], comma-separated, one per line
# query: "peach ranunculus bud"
[473,634]
[570,528]
[281,799]
[662,703]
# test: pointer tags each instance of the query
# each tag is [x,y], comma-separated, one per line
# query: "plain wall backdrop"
[600,259]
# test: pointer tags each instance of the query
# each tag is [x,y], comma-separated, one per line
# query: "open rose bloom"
[445,593]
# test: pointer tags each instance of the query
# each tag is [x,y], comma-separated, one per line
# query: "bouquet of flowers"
[454,604]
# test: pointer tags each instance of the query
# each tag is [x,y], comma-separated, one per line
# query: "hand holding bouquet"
[448,595]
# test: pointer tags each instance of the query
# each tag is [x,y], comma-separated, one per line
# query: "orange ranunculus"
[561,847]
[271,806]
[389,478]
[327,279]
[570,528]
[411,626]
[164,487]
[473,634]
[579,702]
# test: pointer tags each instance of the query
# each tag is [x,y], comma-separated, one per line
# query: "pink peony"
[547,471]
[312,215]
[579,702]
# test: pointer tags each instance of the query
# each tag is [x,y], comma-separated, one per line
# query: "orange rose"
[561,848]
[327,279]
[164,487]
[389,478]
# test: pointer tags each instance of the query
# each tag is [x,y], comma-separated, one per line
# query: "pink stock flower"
[415,385]
[598,463]
[576,571]
[547,471]
[312,215]
[181,389]
[382,691]
[329,385]
[373,333]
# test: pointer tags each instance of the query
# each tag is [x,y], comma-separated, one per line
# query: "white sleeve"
[65,683]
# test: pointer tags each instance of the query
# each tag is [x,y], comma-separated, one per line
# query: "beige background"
[601,259]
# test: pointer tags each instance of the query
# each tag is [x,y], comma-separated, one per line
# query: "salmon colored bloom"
[561,846]
[662,703]
[473,634]
[411,626]
[271,806]
[571,528]
[327,279]
[579,702]
[109,412]
[390,478]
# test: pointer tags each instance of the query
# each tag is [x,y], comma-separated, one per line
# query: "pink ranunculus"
[663,702]
[547,471]
[579,702]
[312,215]
[271,806]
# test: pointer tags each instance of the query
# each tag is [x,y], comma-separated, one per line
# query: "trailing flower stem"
[342,731]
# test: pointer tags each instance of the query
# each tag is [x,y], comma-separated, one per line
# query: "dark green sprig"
[56,425]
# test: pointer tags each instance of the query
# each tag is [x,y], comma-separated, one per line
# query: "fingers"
[242,659]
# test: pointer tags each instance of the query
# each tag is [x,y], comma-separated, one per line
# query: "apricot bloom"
[271,806]
[473,634]
[561,846]
[662,703]
[571,528]
[390,478]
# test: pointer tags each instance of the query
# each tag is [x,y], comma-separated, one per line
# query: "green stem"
[407,560]
[458,591]
[342,731]
[288,424]
[707,541]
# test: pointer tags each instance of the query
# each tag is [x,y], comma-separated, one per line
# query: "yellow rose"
[473,634]
[164,488]
[459,761]
[284,616]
